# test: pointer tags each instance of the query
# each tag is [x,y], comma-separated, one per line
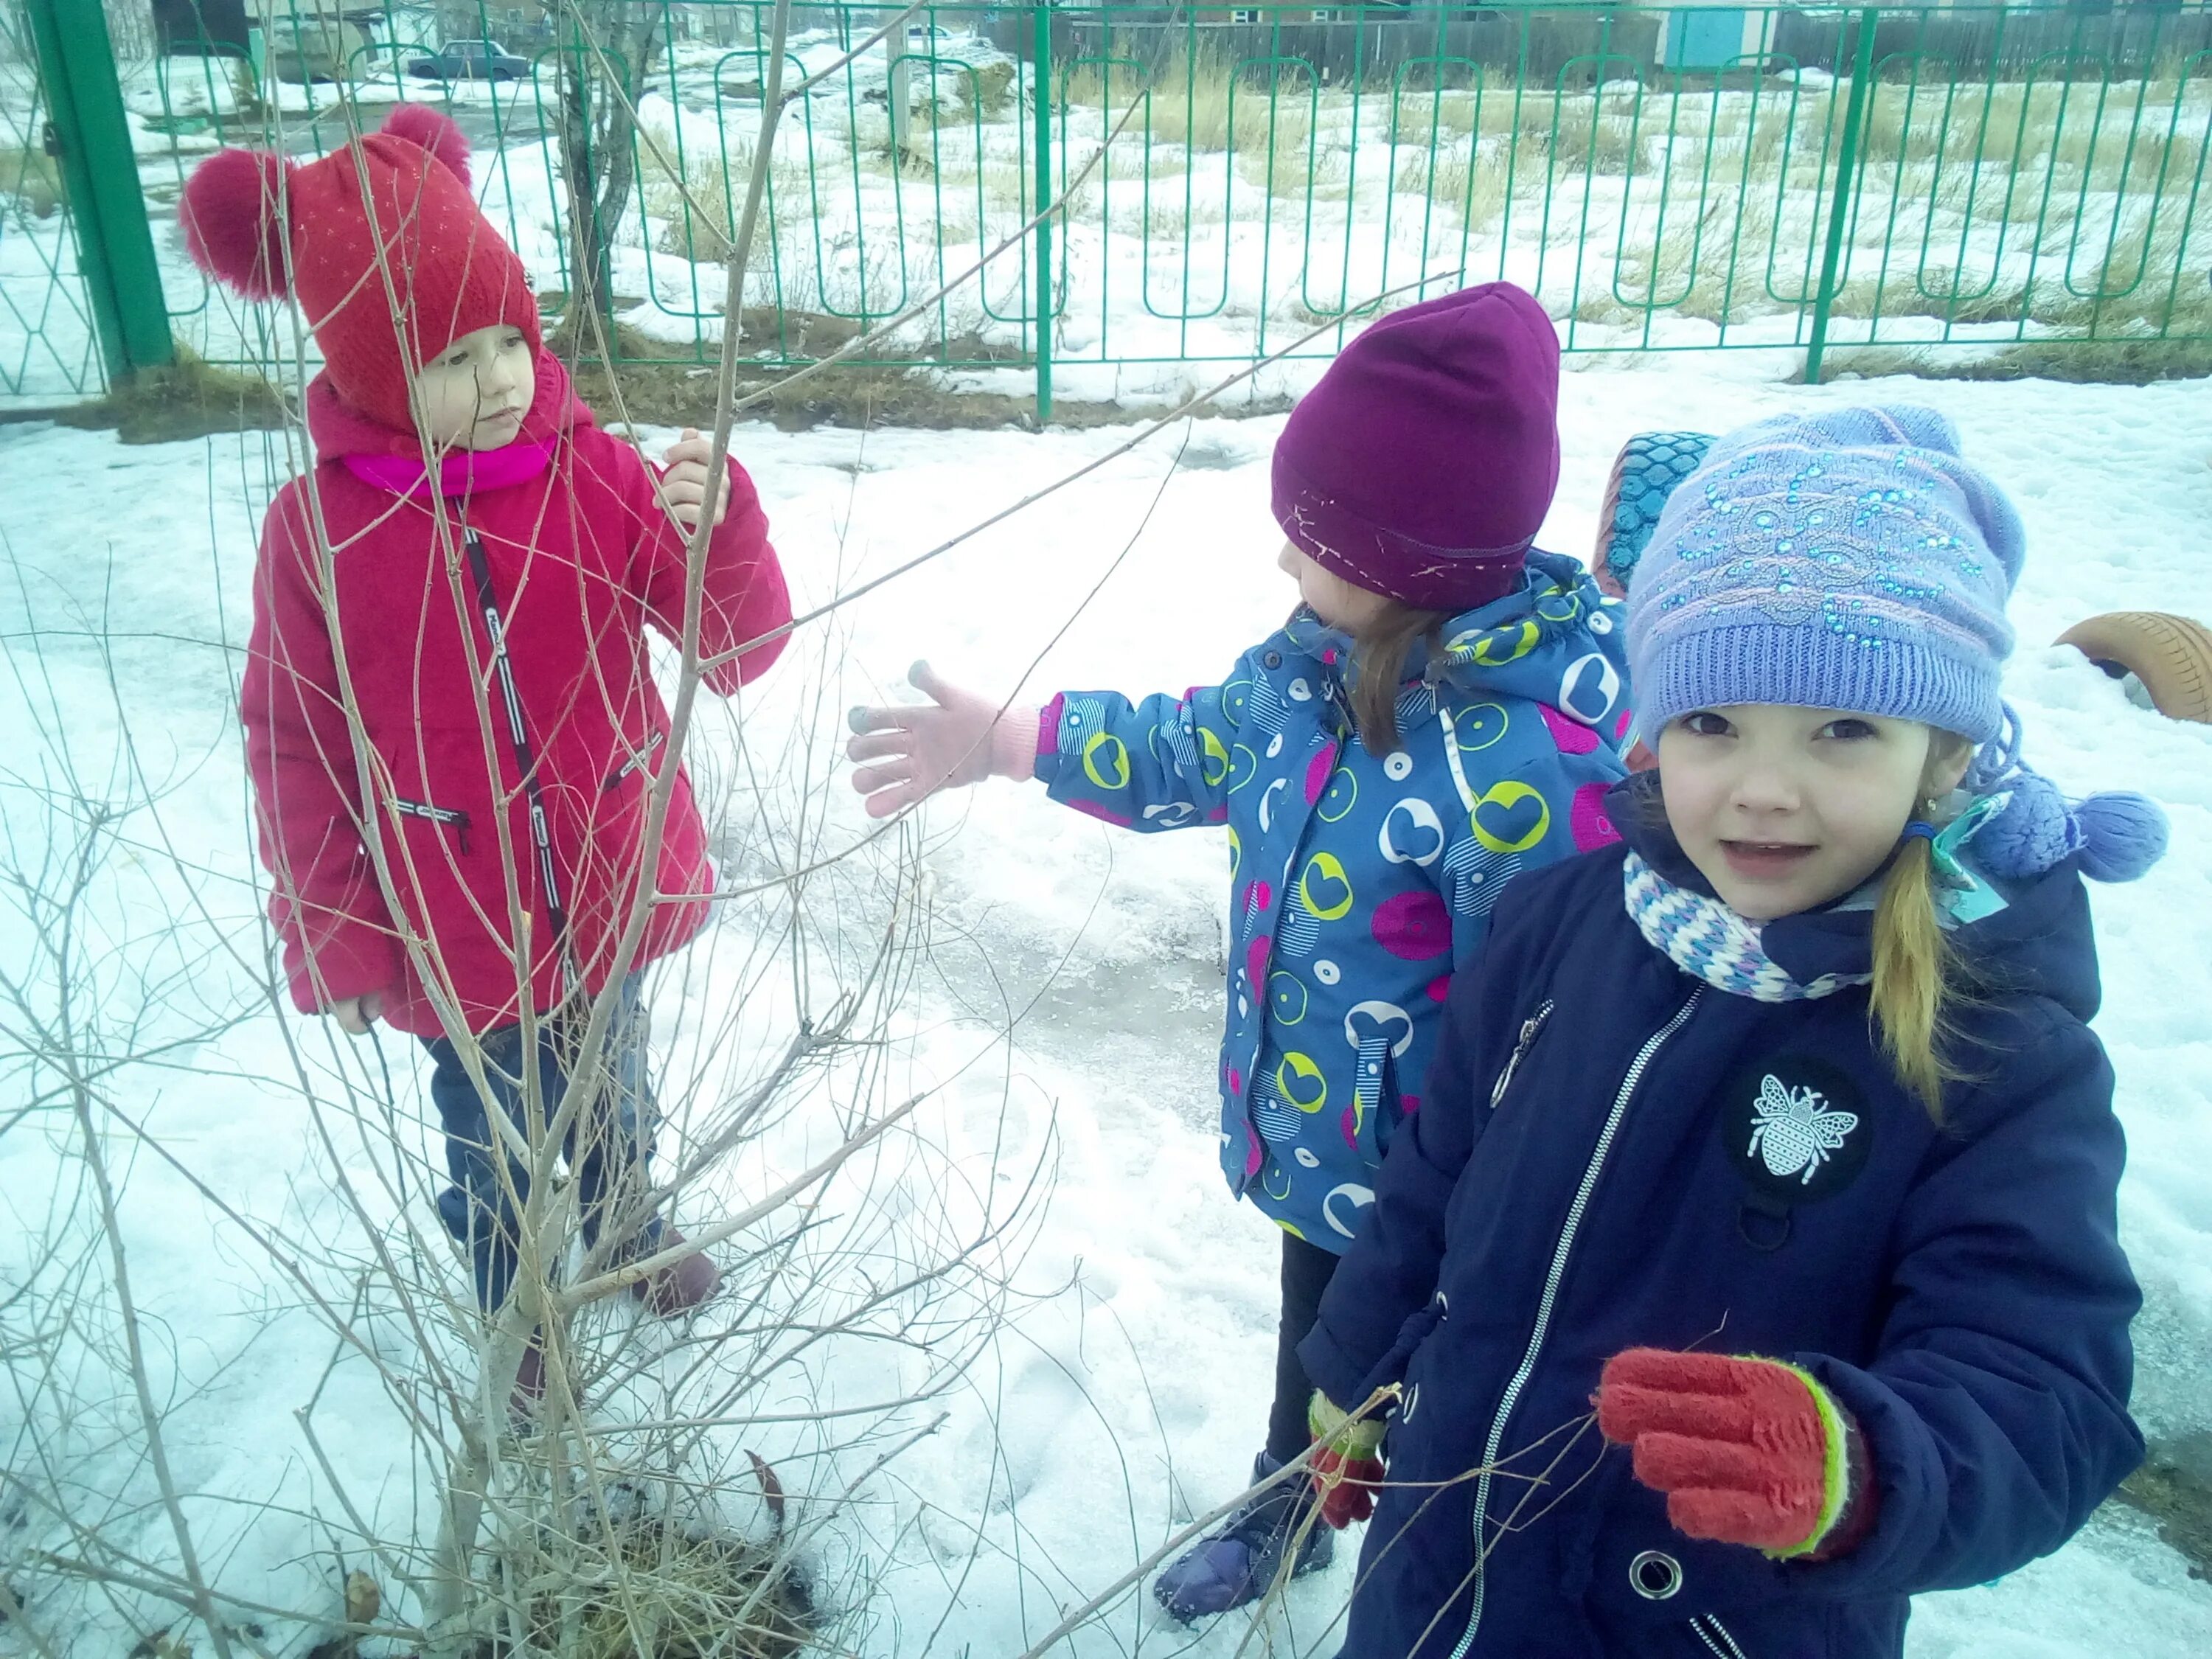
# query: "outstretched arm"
[955,739]
[1164,763]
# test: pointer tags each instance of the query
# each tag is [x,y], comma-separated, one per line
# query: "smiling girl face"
[1784,809]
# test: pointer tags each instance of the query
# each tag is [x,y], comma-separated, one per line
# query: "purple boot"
[1240,1559]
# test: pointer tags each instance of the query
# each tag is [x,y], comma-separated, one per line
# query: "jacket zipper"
[636,763]
[451,816]
[541,832]
[1705,1627]
[1521,1044]
[1560,1251]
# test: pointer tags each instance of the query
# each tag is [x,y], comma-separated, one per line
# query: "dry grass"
[188,397]
[1427,113]
[31,178]
[661,1592]
[1296,166]
[2103,362]
[1576,135]
[1199,103]
[700,227]
[1463,179]
[2147,283]
[1940,294]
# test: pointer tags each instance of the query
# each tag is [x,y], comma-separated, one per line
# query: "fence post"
[115,245]
[1847,167]
[1043,89]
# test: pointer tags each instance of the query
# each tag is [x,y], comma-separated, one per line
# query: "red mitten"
[1346,1465]
[1748,1450]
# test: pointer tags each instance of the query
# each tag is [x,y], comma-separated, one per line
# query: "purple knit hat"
[1422,465]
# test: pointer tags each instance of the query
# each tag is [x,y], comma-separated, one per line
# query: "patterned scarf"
[1703,937]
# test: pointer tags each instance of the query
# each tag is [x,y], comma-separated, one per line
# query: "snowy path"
[1139,1371]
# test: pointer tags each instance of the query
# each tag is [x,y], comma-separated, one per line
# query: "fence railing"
[1227,180]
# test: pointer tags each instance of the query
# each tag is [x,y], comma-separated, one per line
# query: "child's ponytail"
[1379,651]
[2114,836]
[1913,979]
[1911,975]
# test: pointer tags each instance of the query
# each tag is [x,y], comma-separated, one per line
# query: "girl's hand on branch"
[956,740]
[355,1015]
[1347,1461]
[683,483]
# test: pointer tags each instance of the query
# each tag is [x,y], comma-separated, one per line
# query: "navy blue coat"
[1611,1154]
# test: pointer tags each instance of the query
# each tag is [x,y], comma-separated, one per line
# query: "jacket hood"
[1556,640]
[338,428]
[2040,943]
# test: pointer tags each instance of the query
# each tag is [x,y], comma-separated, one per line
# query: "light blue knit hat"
[1844,560]
[1853,560]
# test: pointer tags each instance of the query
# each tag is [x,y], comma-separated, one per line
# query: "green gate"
[81,302]
[1078,193]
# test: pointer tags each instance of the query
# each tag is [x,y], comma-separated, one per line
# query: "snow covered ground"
[1127,1392]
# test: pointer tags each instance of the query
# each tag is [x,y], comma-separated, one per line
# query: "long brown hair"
[1915,980]
[1379,649]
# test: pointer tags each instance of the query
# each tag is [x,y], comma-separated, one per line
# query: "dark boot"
[1238,1560]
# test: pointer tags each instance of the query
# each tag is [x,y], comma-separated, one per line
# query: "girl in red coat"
[453,731]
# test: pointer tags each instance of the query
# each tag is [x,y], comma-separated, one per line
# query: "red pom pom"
[233,220]
[418,124]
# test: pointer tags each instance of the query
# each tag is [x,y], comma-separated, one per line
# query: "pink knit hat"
[1423,464]
[450,273]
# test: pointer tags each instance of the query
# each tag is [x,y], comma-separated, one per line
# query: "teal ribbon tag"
[1965,896]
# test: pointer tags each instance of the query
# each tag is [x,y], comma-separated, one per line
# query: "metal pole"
[115,245]
[1043,91]
[1847,161]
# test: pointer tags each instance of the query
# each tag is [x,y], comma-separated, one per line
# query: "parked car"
[470,60]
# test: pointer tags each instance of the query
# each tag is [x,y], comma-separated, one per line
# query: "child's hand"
[355,1015]
[1748,1450]
[1347,1461]
[922,749]
[684,485]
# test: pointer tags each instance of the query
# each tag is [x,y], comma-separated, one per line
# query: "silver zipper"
[637,762]
[1521,1044]
[451,818]
[1507,1401]
[1705,1627]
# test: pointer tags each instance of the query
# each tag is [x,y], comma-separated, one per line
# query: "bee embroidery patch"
[1795,1127]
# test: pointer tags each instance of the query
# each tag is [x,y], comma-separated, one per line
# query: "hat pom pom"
[2122,834]
[2032,833]
[233,220]
[418,124]
[2118,835]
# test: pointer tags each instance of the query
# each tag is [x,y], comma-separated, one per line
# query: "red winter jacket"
[560,549]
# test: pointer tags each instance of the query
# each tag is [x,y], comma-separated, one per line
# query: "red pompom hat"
[1422,465]
[258,223]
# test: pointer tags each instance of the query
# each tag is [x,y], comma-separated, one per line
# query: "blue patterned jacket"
[1359,881]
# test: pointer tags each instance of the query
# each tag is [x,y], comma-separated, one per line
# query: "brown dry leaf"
[362,1598]
[771,1488]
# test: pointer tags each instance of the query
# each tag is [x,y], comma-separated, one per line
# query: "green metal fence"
[1230,181]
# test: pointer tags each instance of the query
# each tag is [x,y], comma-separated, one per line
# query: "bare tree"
[606,55]
[677,1477]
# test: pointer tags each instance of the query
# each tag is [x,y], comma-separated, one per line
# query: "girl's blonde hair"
[1914,980]
[1379,650]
